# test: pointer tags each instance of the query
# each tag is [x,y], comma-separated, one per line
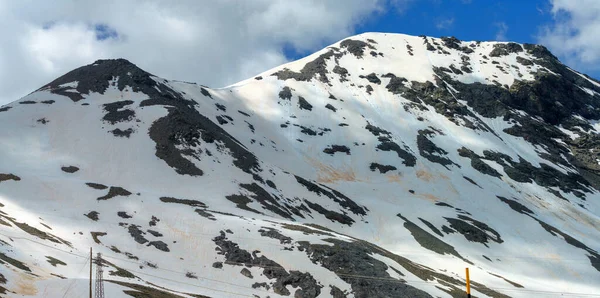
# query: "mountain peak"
[96,77]
[405,158]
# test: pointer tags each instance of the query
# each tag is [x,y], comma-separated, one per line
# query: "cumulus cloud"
[574,34]
[214,43]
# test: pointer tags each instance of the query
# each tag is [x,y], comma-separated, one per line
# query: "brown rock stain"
[328,174]
[424,175]
[25,285]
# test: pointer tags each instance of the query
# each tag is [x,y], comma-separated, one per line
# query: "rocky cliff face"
[380,166]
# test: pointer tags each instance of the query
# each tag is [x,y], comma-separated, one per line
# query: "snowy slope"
[380,166]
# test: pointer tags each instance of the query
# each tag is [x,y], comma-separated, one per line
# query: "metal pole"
[90,272]
[468,283]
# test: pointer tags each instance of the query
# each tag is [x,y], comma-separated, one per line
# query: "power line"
[271,267]
[405,253]
[74,280]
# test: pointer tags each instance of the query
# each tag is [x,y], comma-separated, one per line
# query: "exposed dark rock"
[432,227]
[123,214]
[191,275]
[516,206]
[70,169]
[217,265]
[155,233]
[205,92]
[348,259]
[18,264]
[4,109]
[303,104]
[334,195]
[343,72]
[474,230]
[245,272]
[307,131]
[185,127]
[273,233]
[503,49]
[153,221]
[258,78]
[43,120]
[356,47]
[221,120]
[329,106]
[429,241]
[265,199]
[241,202]
[234,255]
[369,89]
[115,112]
[382,168]
[477,163]
[331,215]
[205,214]
[193,203]
[409,160]
[372,77]
[332,149]
[96,77]
[95,236]
[285,93]
[48,102]
[310,70]
[27,102]
[96,186]
[257,285]
[159,245]
[250,126]
[336,292]
[524,61]
[6,177]
[93,215]
[220,107]
[431,151]
[244,113]
[471,181]
[137,234]
[122,133]
[376,131]
[113,192]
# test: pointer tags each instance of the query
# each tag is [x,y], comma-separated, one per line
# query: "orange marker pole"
[468,284]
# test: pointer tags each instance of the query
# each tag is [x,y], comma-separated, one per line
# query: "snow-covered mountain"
[380,166]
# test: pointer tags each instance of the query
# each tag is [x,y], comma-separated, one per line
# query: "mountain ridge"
[383,156]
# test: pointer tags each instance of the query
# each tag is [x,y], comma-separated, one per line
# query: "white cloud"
[501,32]
[214,43]
[444,23]
[574,34]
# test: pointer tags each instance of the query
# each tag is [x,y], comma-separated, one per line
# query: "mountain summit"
[380,166]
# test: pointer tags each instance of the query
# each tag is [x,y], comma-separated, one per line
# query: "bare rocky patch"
[381,168]
[332,149]
[54,261]
[305,284]
[70,169]
[115,191]
[95,236]
[96,185]
[6,177]
[93,215]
